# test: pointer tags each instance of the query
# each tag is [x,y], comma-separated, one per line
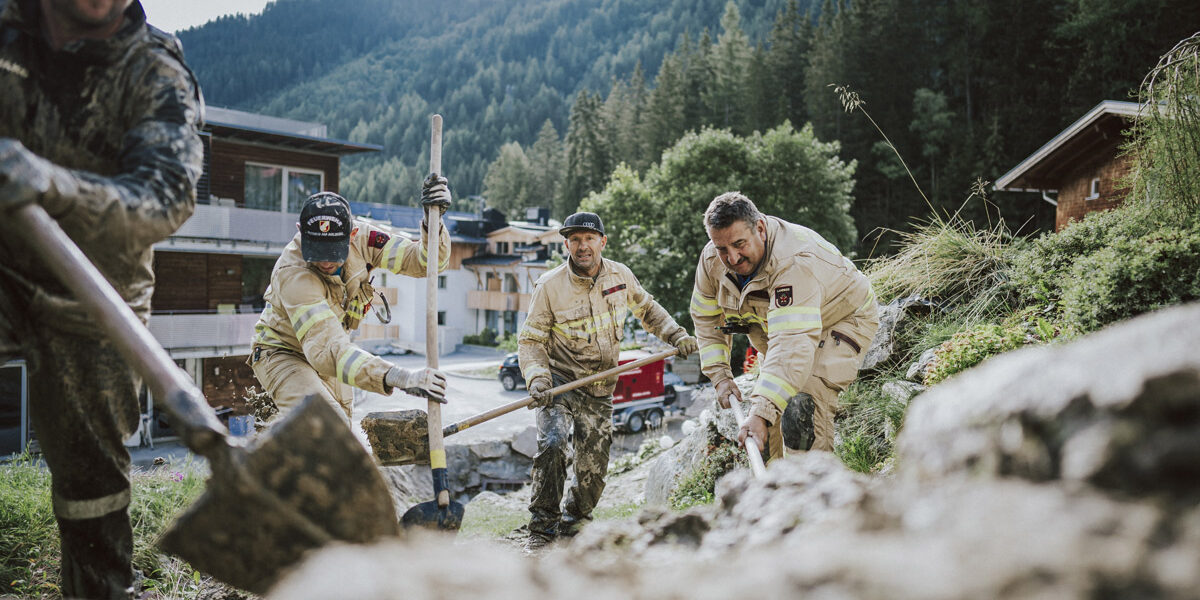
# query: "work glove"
[24,176]
[427,383]
[435,193]
[539,390]
[686,346]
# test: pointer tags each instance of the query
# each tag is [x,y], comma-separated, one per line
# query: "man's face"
[740,246]
[89,14]
[584,247]
[328,268]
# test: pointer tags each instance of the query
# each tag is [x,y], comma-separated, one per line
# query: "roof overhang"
[303,143]
[1043,170]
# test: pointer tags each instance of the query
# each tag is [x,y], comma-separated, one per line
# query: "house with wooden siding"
[1081,169]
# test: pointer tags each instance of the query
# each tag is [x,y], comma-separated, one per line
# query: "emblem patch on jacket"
[378,239]
[615,288]
[783,296]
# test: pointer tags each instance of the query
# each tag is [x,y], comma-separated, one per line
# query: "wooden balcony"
[485,300]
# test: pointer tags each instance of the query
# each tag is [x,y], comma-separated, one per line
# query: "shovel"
[398,437]
[306,483]
[755,454]
[439,513]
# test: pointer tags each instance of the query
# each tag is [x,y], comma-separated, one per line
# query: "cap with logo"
[325,228]
[582,220]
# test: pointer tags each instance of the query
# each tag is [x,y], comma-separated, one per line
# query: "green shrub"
[508,343]
[487,337]
[867,423]
[969,348]
[1132,277]
[700,485]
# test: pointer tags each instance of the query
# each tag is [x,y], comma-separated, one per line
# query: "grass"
[29,540]
[699,486]
[490,521]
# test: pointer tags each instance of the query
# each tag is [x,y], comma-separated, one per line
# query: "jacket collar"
[584,280]
[26,16]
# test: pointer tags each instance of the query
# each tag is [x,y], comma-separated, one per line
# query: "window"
[1094,190]
[266,190]
[441,282]
[441,317]
[501,247]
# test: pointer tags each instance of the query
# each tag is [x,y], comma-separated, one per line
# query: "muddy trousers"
[807,422]
[288,378]
[83,400]
[588,420]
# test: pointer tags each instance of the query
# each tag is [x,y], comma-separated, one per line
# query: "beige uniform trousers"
[835,366]
[288,378]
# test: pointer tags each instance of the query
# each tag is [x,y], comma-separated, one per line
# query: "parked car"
[510,373]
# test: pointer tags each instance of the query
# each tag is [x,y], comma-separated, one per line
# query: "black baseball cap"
[325,228]
[582,220]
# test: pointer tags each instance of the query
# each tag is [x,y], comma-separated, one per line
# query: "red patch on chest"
[378,239]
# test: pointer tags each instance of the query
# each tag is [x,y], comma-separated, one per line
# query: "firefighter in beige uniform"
[802,304]
[320,290]
[574,329]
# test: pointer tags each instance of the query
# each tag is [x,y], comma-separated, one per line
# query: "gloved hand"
[24,176]
[725,389]
[435,192]
[539,389]
[427,383]
[686,346]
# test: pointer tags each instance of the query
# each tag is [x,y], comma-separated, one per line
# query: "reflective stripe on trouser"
[590,419]
[83,400]
[288,378]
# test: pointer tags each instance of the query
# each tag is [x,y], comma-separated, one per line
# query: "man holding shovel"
[99,120]
[806,309]
[574,329]
[320,291]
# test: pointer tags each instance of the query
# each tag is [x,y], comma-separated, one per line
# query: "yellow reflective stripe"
[437,459]
[533,333]
[705,307]
[309,315]
[355,309]
[535,371]
[349,363]
[267,337]
[751,318]
[793,317]
[774,389]
[714,354]
[869,302]
[583,328]
[393,253]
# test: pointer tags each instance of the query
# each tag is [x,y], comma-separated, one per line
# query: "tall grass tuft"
[1167,132]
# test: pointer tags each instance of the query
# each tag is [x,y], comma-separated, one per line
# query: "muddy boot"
[536,544]
[569,526]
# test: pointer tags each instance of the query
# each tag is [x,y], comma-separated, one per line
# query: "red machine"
[640,398]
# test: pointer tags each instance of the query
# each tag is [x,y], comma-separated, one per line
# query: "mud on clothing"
[574,329]
[119,118]
[302,336]
[810,314]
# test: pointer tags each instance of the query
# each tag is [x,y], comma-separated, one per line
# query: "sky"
[174,15]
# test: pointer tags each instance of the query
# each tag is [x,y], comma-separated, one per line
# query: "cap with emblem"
[582,220]
[325,228]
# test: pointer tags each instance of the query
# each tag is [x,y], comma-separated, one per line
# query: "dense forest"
[544,98]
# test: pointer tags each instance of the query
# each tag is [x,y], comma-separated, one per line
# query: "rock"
[408,485]
[902,391]
[398,437]
[890,317]
[1119,409]
[506,470]
[490,449]
[916,372]
[666,442]
[667,469]
[689,426]
[525,443]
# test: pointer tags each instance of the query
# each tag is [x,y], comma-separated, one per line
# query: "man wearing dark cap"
[320,291]
[574,329]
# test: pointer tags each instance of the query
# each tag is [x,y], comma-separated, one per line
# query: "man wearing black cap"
[574,329]
[320,291]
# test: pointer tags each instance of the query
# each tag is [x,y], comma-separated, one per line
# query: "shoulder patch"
[783,296]
[378,239]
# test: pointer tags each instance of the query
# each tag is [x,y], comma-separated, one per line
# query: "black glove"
[24,176]
[435,192]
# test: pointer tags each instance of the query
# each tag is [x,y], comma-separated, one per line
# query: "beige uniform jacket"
[803,289]
[312,313]
[575,325]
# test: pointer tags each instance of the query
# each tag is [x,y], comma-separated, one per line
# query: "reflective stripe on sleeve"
[266,336]
[714,354]
[774,389]
[792,318]
[80,510]
[349,363]
[307,316]
[532,333]
[703,306]
[355,309]
[536,371]
[393,253]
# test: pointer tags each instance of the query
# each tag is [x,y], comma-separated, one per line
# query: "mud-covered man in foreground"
[99,121]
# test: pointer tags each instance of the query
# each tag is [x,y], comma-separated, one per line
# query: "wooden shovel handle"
[754,453]
[433,224]
[566,387]
[191,416]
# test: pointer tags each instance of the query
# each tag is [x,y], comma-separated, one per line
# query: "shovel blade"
[429,515]
[305,482]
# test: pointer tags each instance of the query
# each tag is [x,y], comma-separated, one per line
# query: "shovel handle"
[755,454]
[191,415]
[433,225]
[566,387]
